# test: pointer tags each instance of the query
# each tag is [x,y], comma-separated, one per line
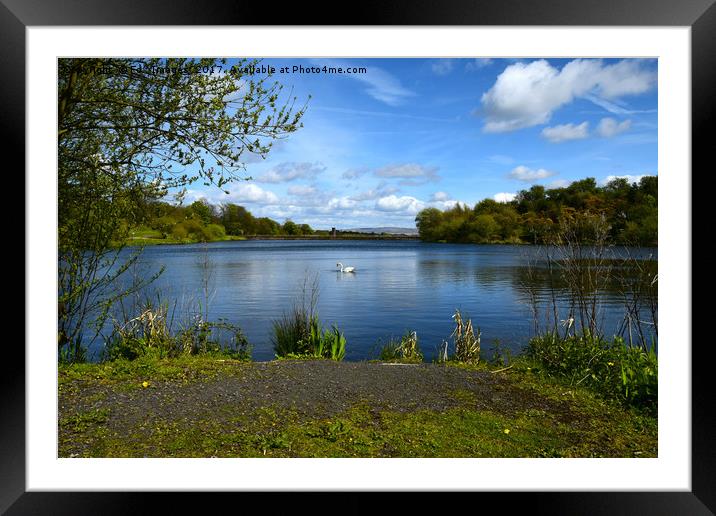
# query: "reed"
[299,333]
[467,342]
[405,349]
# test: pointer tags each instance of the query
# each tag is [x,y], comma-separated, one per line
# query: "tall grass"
[576,349]
[467,344]
[152,333]
[405,349]
[299,333]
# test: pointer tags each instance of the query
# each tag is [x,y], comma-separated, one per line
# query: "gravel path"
[314,389]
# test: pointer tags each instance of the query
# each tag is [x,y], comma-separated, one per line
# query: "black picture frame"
[17,15]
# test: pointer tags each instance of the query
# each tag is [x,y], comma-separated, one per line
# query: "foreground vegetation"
[105,412]
[195,393]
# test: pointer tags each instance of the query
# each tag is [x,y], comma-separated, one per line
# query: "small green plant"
[467,344]
[406,349]
[213,337]
[84,420]
[500,356]
[337,342]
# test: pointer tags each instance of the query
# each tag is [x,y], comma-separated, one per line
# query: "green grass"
[130,374]
[361,432]
[85,420]
[153,237]
[584,425]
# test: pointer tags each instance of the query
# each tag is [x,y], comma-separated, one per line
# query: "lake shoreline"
[138,242]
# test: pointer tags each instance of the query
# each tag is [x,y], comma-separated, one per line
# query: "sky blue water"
[397,286]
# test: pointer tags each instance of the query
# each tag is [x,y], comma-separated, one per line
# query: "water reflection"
[397,286]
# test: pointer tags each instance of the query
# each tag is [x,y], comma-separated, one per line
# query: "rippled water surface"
[397,285]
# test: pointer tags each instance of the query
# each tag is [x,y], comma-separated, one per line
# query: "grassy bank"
[148,236]
[206,406]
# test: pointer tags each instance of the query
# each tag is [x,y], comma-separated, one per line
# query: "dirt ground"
[92,409]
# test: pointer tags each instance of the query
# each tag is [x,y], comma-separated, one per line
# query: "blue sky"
[411,133]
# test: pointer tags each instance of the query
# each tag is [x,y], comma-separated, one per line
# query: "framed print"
[422,155]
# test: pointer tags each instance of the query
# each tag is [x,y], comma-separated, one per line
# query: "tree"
[484,228]
[129,130]
[290,228]
[203,210]
[427,222]
[629,210]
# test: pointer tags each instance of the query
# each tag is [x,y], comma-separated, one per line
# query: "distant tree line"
[202,221]
[629,209]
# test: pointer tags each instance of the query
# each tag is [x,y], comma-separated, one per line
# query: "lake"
[397,286]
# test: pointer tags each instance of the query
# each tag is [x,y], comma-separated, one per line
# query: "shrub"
[214,337]
[628,374]
[214,232]
[179,232]
[149,334]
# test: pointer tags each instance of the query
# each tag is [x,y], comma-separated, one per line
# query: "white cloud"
[626,77]
[354,173]
[440,196]
[375,193]
[341,203]
[477,64]
[381,85]
[442,66]
[411,173]
[628,177]
[526,94]
[405,204]
[522,173]
[285,172]
[504,197]
[301,190]
[250,193]
[564,132]
[558,183]
[446,205]
[609,127]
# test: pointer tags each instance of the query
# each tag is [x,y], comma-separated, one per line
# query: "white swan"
[345,269]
